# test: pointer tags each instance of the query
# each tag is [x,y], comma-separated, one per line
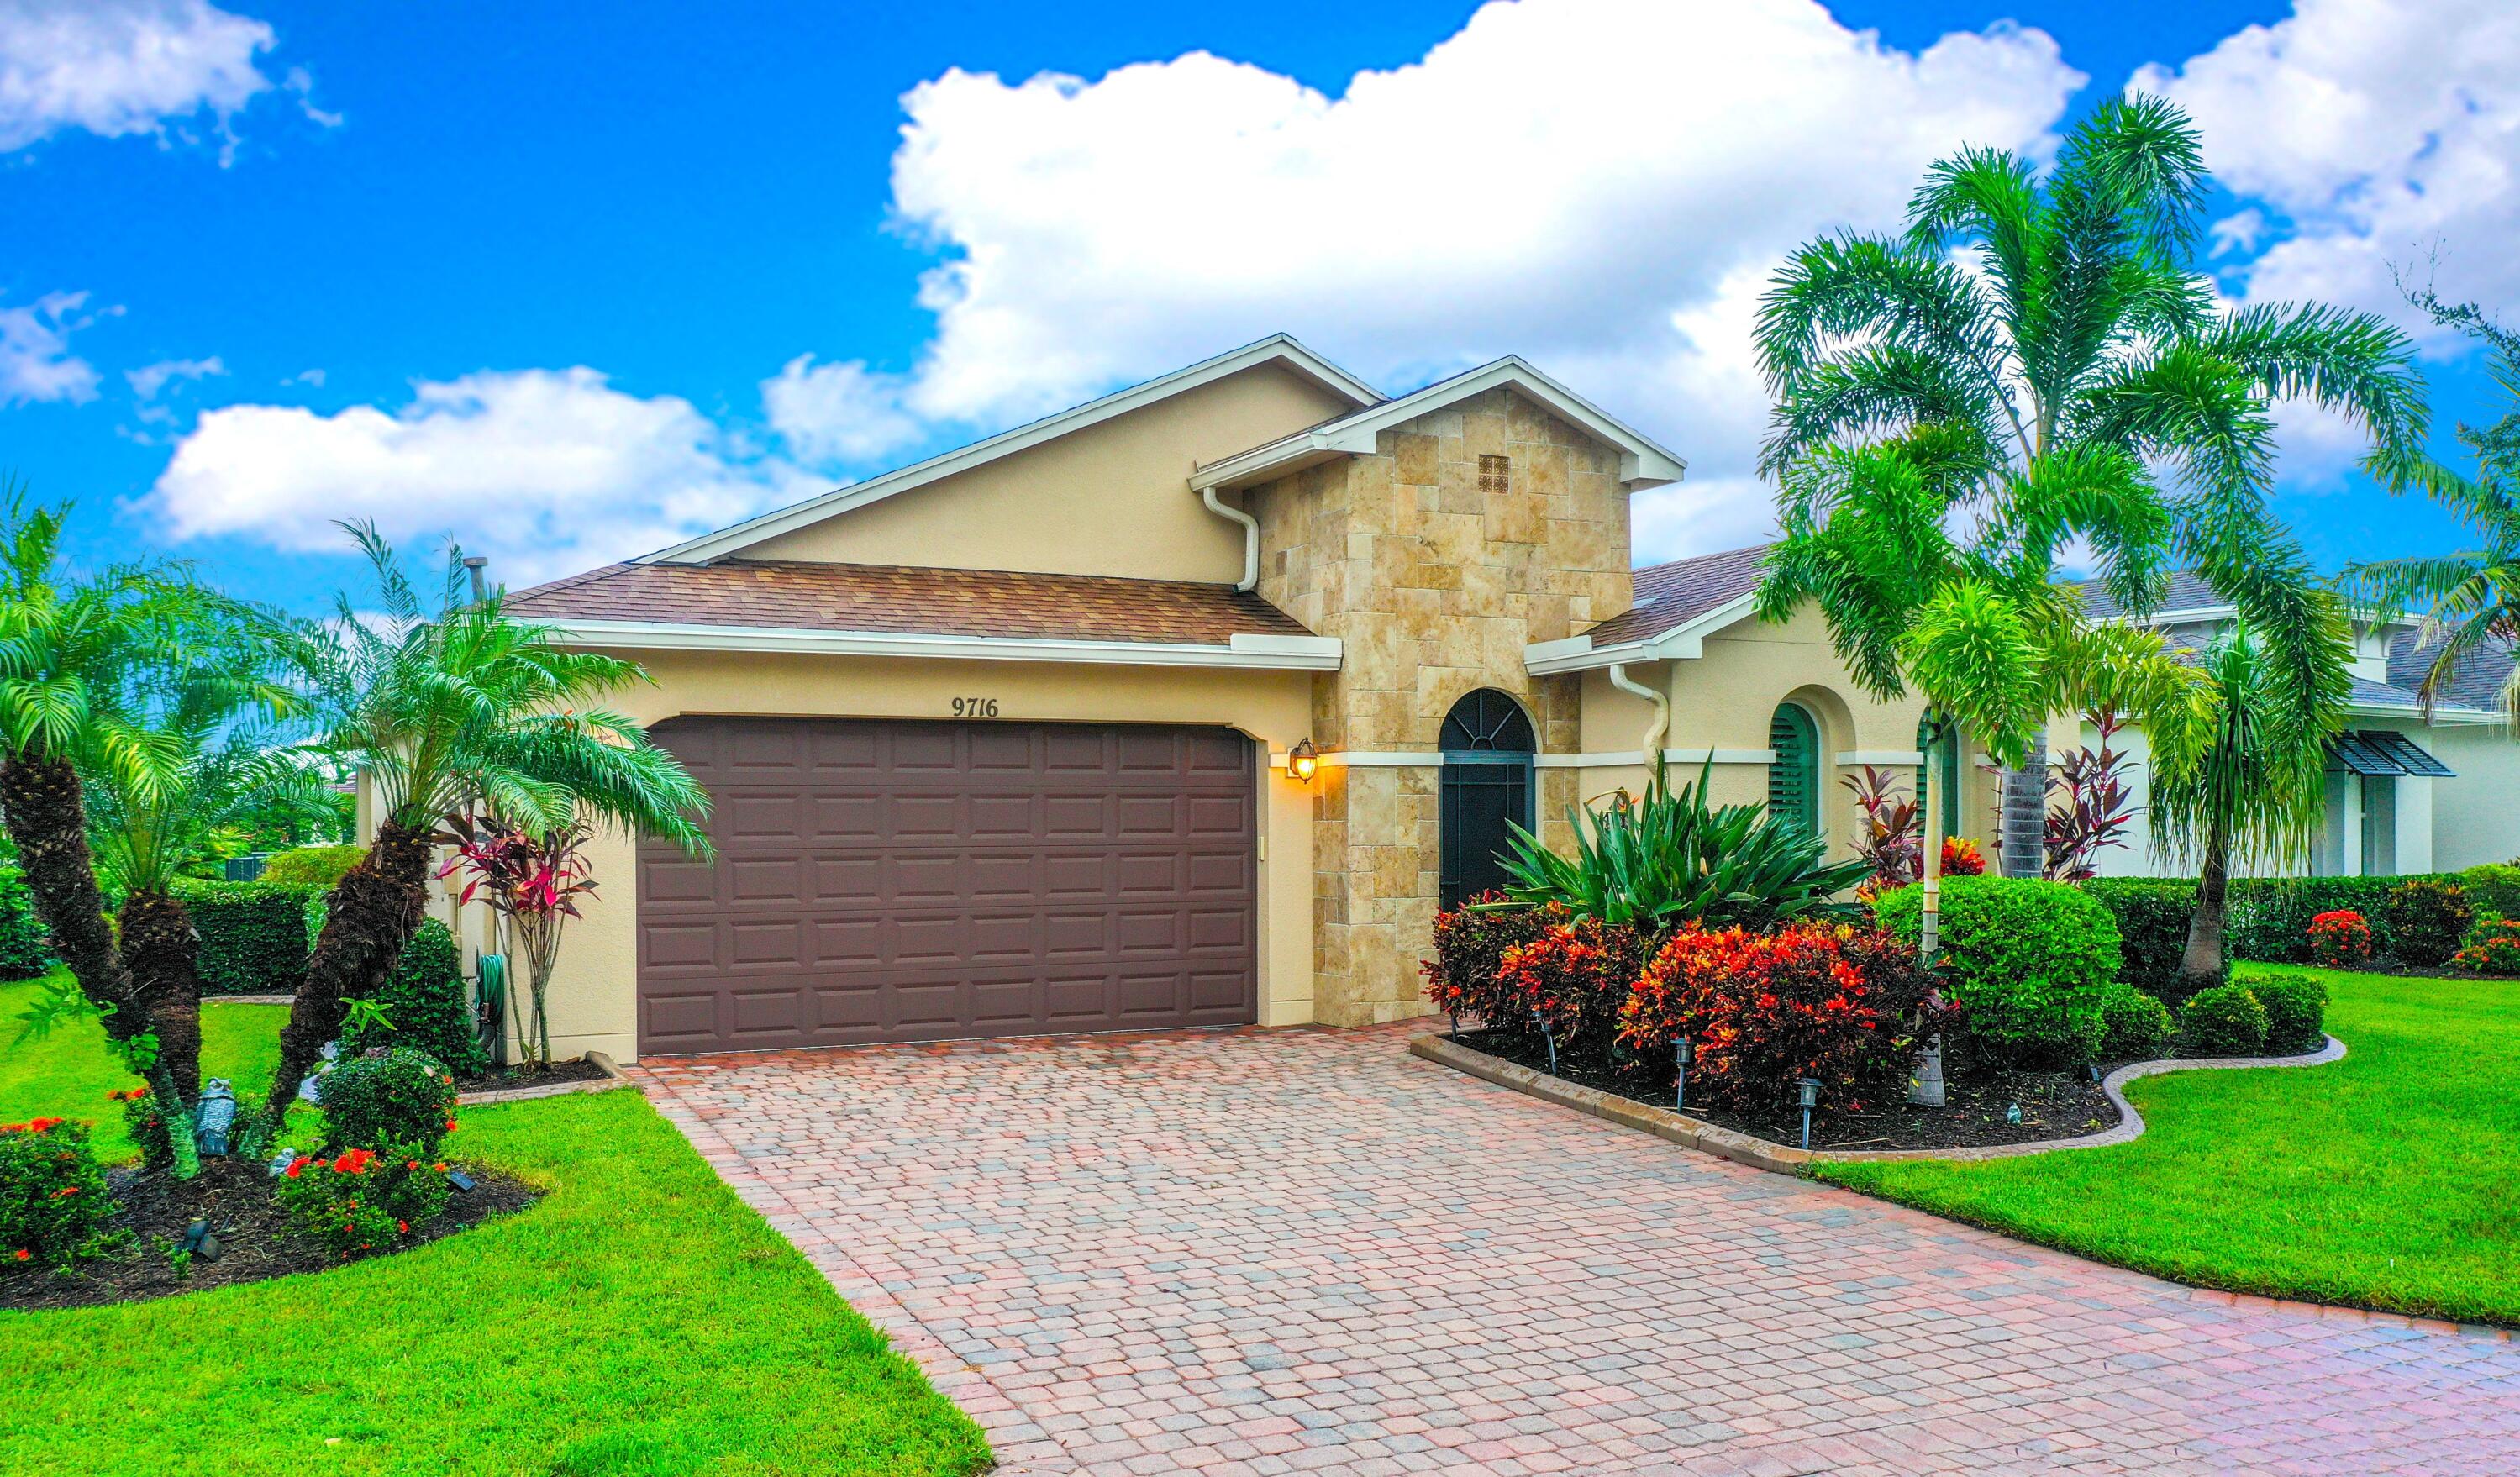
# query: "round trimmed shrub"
[311,866]
[2225,1020]
[2428,919]
[424,1001]
[2027,962]
[2296,1006]
[2134,1026]
[402,1099]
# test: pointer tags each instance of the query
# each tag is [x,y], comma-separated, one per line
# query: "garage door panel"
[918,881]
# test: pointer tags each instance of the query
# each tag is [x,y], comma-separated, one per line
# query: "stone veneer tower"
[1464,536]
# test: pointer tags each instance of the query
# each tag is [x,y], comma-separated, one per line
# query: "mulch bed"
[2054,1104]
[501,1079]
[238,1198]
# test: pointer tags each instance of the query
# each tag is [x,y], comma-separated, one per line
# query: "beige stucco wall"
[1112,499]
[594,995]
[1435,587]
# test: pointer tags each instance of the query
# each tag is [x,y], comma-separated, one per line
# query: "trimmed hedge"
[2027,962]
[24,949]
[311,866]
[2268,919]
[2495,889]
[253,935]
[2153,915]
[2134,1026]
[425,1002]
[2270,916]
[2227,1020]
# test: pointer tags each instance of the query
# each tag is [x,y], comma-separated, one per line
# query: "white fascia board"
[1686,642]
[1278,347]
[1642,461]
[2442,716]
[1254,652]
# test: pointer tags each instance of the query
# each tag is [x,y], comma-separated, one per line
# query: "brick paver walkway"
[1258,1252]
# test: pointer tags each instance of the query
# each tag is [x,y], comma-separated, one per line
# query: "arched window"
[1942,758]
[1485,782]
[1793,776]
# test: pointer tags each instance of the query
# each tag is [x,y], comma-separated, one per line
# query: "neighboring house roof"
[1276,348]
[1676,605]
[2186,593]
[886,609]
[2476,683]
[2393,697]
[1642,461]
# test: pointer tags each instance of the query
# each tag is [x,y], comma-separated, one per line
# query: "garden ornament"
[311,1088]
[202,1242]
[214,1116]
[2012,1113]
[458,1178]
[281,1159]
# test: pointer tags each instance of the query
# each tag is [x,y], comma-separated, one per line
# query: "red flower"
[24,1255]
[403,1226]
[295,1165]
[450,1125]
[43,1125]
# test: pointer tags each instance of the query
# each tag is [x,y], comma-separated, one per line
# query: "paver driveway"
[1281,1251]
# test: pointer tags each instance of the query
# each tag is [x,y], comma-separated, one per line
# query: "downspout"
[1251,538]
[1658,729]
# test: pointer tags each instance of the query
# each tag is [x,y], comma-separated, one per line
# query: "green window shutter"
[1793,777]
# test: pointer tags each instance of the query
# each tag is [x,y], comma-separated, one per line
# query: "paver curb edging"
[611,1078]
[2130,1124]
[1776,1158]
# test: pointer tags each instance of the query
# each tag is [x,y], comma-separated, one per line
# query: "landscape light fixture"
[1302,760]
[1682,1052]
[1808,1090]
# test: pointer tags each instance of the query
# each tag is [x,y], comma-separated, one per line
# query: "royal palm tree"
[67,650]
[2471,599]
[2254,790]
[457,705]
[2052,360]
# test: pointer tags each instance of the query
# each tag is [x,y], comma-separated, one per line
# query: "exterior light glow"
[1302,760]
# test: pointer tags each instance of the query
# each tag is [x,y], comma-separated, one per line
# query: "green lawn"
[639,1320]
[68,1073]
[2384,1181]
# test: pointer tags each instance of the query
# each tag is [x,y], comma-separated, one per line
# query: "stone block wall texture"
[1435,573]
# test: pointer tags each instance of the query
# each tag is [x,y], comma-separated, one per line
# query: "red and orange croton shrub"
[1572,978]
[53,1204]
[1832,1001]
[1470,942]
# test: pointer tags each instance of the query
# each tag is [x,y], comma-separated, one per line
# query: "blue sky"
[567,281]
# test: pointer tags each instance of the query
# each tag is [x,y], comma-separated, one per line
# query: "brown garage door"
[921,881]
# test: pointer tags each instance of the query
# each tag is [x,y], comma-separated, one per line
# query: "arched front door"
[1486,782]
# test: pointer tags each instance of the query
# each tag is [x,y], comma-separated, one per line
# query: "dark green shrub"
[24,949]
[2296,1006]
[424,1002]
[2134,1026]
[2224,1021]
[253,935]
[2427,920]
[2270,916]
[54,1203]
[2026,960]
[2153,915]
[402,1097]
[318,867]
[1470,942]
[363,1202]
[2493,888]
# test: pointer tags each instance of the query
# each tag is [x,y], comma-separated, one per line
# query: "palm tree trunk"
[47,819]
[2200,967]
[371,914]
[2025,814]
[163,949]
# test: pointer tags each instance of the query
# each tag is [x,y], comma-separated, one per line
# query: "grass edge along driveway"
[640,1319]
[2389,1180]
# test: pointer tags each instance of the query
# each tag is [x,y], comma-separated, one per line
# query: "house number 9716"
[976,707]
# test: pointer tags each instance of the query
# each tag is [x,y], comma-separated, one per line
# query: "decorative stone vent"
[1496,473]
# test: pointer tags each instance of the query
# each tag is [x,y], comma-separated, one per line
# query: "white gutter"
[1251,538]
[1247,650]
[1660,727]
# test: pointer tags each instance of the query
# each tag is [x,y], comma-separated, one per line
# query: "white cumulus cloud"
[548,471]
[2378,130]
[116,68]
[35,358]
[838,414]
[1599,185]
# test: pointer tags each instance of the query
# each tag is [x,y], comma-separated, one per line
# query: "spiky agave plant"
[457,704]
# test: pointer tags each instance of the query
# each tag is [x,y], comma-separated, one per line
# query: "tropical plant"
[1470,942]
[2428,919]
[2254,791]
[1571,980]
[448,705]
[2025,361]
[2027,962]
[55,1206]
[2296,1006]
[2340,938]
[424,1007]
[1890,829]
[2090,805]
[2470,599]
[2493,948]
[532,884]
[1669,857]
[398,1096]
[2134,1026]
[312,865]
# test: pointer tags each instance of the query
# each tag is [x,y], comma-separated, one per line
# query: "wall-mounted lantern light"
[1302,760]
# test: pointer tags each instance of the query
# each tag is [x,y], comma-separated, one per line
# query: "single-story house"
[1191,705]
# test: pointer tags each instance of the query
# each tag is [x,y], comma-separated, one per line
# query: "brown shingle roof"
[909,601]
[1678,592]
